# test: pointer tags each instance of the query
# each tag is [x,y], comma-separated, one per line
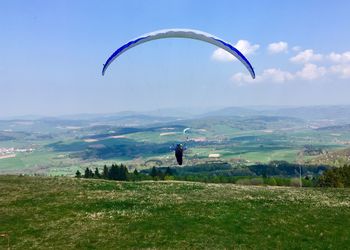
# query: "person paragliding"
[181,33]
[180,148]
[185,131]
[179,151]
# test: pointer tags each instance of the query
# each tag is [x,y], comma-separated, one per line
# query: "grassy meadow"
[68,213]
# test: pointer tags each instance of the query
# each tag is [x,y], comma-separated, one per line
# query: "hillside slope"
[63,213]
[337,158]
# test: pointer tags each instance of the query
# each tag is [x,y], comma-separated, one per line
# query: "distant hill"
[336,158]
[232,111]
[338,112]
[337,128]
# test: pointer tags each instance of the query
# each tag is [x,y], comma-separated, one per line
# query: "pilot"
[179,150]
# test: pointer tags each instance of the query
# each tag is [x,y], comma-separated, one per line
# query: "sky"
[52,53]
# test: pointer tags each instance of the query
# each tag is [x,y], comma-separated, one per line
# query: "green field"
[67,213]
[61,147]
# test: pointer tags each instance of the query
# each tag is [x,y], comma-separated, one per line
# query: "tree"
[87,173]
[335,177]
[136,173]
[134,176]
[123,173]
[97,173]
[78,174]
[168,171]
[113,172]
[91,174]
[154,172]
[105,172]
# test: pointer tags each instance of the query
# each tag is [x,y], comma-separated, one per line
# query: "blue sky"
[52,54]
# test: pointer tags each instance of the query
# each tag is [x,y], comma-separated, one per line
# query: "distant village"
[11,152]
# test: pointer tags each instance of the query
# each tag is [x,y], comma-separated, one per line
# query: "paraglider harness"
[179,149]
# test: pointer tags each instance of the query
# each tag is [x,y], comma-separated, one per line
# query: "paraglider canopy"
[185,130]
[181,33]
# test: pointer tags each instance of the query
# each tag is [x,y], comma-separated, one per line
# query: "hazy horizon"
[170,111]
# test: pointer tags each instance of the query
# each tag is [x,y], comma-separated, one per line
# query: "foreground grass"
[66,213]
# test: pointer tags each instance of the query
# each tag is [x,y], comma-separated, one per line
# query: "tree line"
[333,177]
[121,173]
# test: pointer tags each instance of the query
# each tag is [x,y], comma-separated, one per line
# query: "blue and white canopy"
[181,33]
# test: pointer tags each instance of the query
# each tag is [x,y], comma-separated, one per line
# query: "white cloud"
[278,47]
[296,48]
[342,70]
[240,78]
[276,75]
[271,75]
[311,72]
[331,66]
[342,66]
[222,55]
[308,72]
[340,58]
[306,56]
[243,46]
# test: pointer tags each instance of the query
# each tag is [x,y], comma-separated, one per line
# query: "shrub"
[257,181]
[169,178]
[282,181]
[307,183]
[250,181]
[270,181]
[244,181]
[295,182]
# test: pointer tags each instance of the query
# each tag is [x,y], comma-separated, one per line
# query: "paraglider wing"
[185,130]
[181,33]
